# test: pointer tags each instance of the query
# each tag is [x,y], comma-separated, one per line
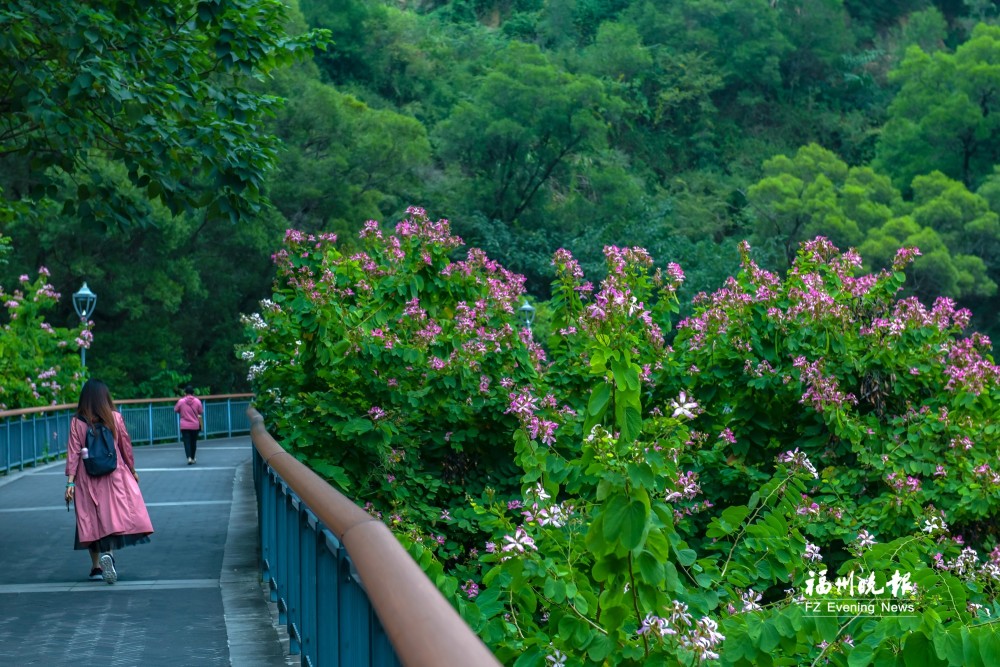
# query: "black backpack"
[101,456]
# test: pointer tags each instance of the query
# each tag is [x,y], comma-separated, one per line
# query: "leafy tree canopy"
[161,88]
[947,113]
[814,191]
[525,122]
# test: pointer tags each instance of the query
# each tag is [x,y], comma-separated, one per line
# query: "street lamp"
[527,313]
[84,302]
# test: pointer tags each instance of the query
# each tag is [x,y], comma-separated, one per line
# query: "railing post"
[34,439]
[229,416]
[150,416]
[308,581]
[327,610]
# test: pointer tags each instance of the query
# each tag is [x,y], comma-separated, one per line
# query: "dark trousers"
[190,438]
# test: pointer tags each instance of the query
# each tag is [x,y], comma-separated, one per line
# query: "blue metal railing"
[33,436]
[300,557]
[346,590]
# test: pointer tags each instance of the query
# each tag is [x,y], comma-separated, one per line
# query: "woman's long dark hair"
[96,405]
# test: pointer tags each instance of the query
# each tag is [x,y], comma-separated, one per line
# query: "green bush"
[39,363]
[801,441]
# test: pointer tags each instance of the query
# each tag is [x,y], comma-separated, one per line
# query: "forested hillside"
[683,127]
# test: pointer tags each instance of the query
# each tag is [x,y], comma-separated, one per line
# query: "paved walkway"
[191,597]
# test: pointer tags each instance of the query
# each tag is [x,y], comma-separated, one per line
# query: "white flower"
[557,659]
[934,524]
[682,407]
[520,541]
[751,600]
[865,539]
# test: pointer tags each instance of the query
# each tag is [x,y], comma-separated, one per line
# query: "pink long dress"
[110,505]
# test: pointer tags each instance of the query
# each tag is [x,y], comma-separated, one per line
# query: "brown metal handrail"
[127,401]
[423,627]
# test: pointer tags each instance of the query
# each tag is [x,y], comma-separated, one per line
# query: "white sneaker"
[108,572]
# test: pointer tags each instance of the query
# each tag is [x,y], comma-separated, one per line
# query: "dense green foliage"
[441,332]
[670,501]
[39,363]
[158,88]
[618,492]
[132,139]
[537,125]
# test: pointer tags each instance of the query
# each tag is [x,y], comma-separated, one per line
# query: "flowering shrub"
[389,369]
[886,397]
[616,555]
[802,442]
[39,363]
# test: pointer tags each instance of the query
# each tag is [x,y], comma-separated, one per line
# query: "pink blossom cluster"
[677,617]
[504,286]
[910,313]
[524,406]
[615,308]
[759,370]
[822,392]
[819,250]
[691,510]
[798,461]
[987,474]
[368,265]
[471,589]
[46,291]
[814,301]
[807,507]
[750,599]
[419,225]
[85,338]
[727,436]
[370,508]
[703,640]
[566,265]
[685,486]
[903,258]
[966,367]
[904,485]
[726,305]
[553,515]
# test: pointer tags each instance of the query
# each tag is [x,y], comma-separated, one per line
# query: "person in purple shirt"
[190,409]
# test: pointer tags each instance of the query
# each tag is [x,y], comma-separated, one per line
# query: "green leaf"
[919,652]
[632,426]
[626,376]
[769,637]
[860,656]
[600,648]
[651,568]
[599,400]
[686,557]
[627,523]
[357,426]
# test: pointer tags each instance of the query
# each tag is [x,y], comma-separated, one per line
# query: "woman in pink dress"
[110,511]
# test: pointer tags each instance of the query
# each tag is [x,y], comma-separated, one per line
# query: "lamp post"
[527,314]
[84,302]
